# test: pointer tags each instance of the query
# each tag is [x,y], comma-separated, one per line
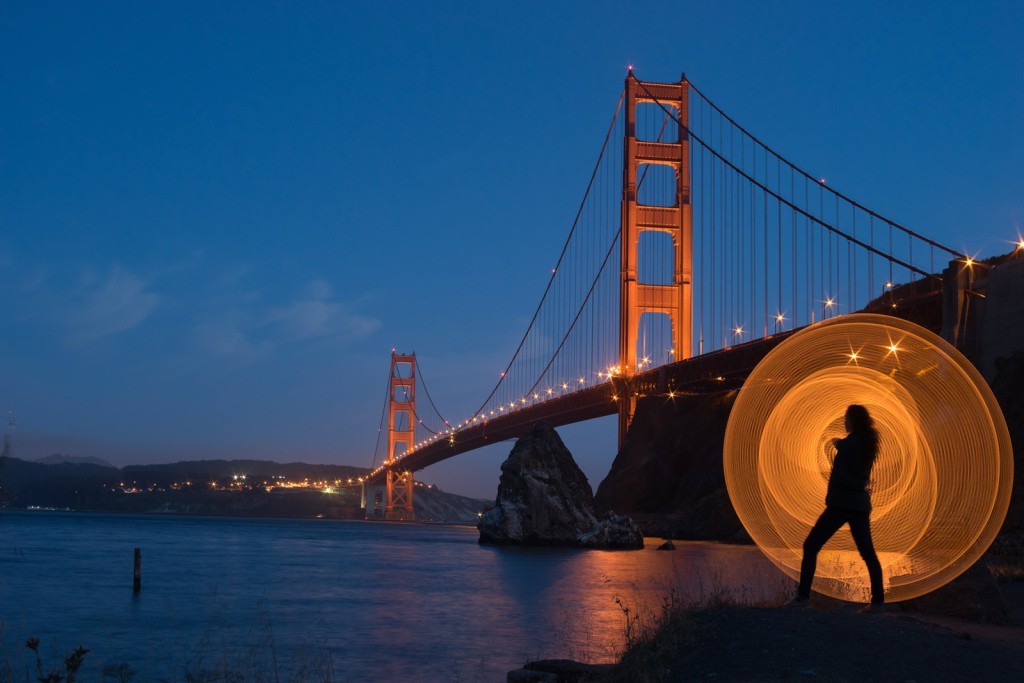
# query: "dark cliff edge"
[1008,387]
[668,475]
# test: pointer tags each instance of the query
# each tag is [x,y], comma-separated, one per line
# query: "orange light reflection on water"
[603,584]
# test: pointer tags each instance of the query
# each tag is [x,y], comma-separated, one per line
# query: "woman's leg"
[823,529]
[860,528]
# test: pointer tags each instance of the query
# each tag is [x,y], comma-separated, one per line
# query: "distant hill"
[203,470]
[18,473]
[60,459]
[184,488]
[67,484]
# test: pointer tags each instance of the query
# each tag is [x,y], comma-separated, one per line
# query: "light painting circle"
[941,483]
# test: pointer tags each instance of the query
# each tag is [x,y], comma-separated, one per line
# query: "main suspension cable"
[807,175]
[383,411]
[423,382]
[554,271]
[818,220]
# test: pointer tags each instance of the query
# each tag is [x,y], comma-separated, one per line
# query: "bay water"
[276,599]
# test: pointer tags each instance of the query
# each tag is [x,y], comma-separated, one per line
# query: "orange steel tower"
[401,404]
[638,298]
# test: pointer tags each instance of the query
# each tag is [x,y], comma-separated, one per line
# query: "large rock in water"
[543,496]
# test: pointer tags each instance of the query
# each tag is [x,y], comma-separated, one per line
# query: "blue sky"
[216,220]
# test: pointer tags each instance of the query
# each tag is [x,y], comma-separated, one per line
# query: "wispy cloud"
[107,306]
[318,314]
[229,338]
[254,332]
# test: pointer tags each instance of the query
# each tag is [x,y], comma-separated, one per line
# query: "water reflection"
[348,600]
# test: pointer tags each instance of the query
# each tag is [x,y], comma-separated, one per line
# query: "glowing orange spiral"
[941,483]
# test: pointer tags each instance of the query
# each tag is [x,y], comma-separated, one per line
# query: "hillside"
[210,487]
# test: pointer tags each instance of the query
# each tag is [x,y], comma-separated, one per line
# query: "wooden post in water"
[137,581]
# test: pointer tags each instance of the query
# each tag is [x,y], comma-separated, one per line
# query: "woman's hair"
[862,425]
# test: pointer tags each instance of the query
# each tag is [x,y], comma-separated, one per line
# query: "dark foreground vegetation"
[723,640]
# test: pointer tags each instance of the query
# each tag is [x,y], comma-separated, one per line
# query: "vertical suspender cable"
[764,201]
[809,251]
[794,312]
[700,242]
[853,286]
[871,260]
[778,206]
[891,283]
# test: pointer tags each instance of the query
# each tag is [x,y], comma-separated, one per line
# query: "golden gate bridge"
[724,248]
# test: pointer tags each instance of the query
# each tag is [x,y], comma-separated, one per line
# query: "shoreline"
[829,640]
[230,515]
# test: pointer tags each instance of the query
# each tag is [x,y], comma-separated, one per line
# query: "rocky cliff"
[1008,387]
[543,496]
[668,474]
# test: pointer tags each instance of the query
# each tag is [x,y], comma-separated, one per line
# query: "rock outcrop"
[543,496]
[613,532]
[668,475]
[559,671]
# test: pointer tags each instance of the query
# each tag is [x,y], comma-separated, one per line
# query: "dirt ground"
[809,644]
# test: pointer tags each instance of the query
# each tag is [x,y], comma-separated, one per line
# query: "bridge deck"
[715,371]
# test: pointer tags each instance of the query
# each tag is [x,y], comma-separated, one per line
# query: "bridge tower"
[401,409]
[638,298]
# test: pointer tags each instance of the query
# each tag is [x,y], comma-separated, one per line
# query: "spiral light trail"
[940,486]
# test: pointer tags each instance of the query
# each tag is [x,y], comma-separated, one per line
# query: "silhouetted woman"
[848,501]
